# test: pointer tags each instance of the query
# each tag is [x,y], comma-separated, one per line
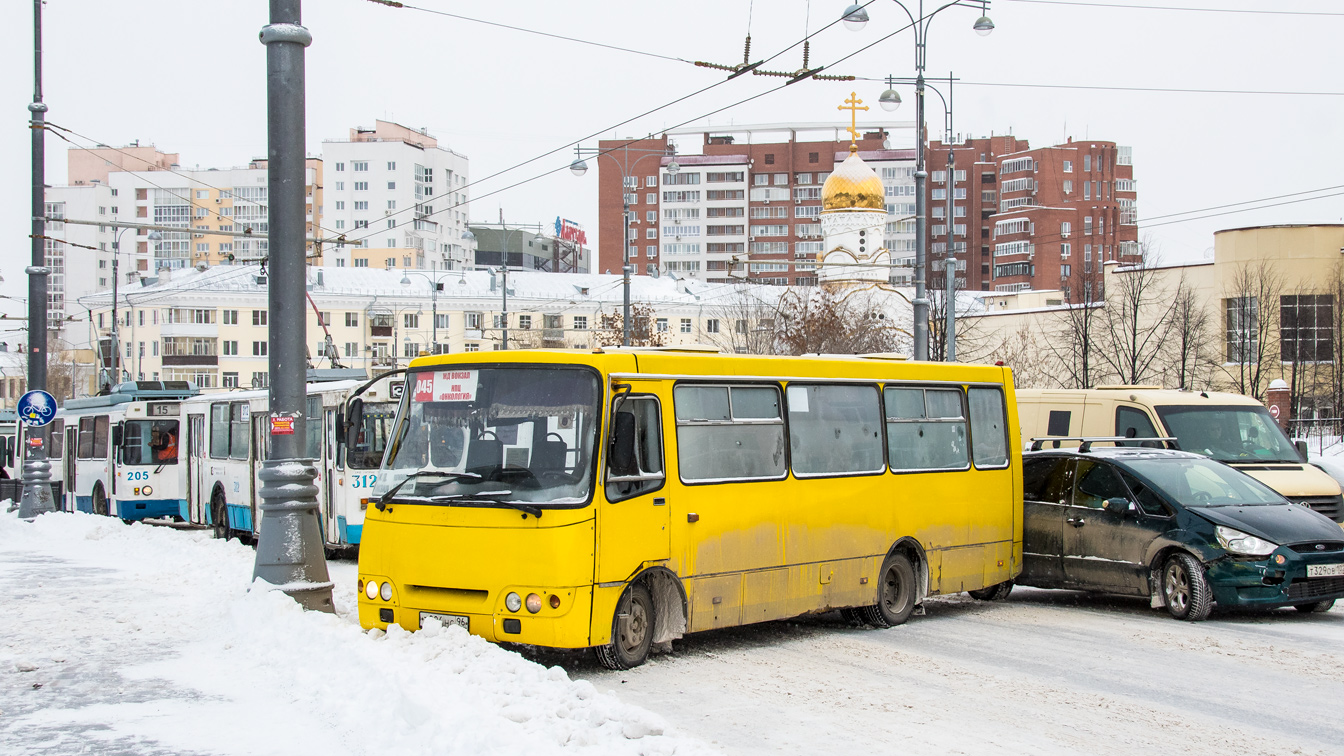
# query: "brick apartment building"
[1047,218]
[741,211]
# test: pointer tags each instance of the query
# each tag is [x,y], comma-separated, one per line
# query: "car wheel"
[994,592]
[895,594]
[631,631]
[1185,588]
[1318,606]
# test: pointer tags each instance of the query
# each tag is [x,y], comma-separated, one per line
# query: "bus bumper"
[141,509]
[566,626]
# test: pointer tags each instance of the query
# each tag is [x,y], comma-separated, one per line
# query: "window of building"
[471,347]
[230,317]
[362,262]
[1306,328]
[360,186]
[230,348]
[411,320]
[259,348]
[391,185]
[1243,337]
[1068,166]
[524,322]
[259,317]
[1087,162]
[1087,225]
[391,166]
[230,380]
[685,325]
[580,322]
[360,165]
[1065,250]
[770,158]
[351,349]
[712,325]
[1087,190]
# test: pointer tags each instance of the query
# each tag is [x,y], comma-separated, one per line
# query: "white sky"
[190,78]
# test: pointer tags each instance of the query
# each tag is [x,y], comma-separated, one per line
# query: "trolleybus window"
[367,451]
[729,432]
[93,437]
[56,446]
[926,429]
[239,412]
[219,431]
[989,427]
[149,442]
[834,429]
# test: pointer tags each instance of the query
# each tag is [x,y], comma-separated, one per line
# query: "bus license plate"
[1325,570]
[446,619]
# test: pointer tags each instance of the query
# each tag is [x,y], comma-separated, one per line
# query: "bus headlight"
[533,603]
[513,602]
[385,591]
[146,490]
[371,589]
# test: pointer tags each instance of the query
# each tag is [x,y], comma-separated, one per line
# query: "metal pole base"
[36,497]
[289,544]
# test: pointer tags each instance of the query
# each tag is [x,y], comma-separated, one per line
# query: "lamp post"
[580,167]
[503,269]
[434,284]
[115,376]
[854,18]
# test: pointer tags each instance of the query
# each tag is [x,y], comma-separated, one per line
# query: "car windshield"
[496,434]
[1196,482]
[1229,433]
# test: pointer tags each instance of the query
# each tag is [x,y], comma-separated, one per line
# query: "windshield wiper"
[531,509]
[447,477]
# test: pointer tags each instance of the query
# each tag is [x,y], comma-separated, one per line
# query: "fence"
[1321,433]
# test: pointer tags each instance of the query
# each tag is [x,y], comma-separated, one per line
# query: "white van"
[1230,428]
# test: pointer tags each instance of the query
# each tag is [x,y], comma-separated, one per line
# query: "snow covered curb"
[247,671]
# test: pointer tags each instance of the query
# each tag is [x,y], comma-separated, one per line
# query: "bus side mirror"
[1301,445]
[354,420]
[622,462]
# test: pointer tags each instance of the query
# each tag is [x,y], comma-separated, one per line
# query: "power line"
[1179,8]
[1250,202]
[1176,90]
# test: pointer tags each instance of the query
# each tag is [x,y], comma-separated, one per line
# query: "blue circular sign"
[36,408]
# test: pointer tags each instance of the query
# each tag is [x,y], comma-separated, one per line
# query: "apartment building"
[397,199]
[743,209]
[1024,218]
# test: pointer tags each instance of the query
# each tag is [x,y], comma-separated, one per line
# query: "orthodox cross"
[853,106]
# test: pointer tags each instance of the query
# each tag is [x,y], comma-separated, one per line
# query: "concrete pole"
[625,266]
[504,289]
[921,301]
[950,263]
[37,497]
[289,541]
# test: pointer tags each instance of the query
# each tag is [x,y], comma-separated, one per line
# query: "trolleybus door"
[196,466]
[71,444]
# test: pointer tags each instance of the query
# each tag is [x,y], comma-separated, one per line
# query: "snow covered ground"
[143,640]
[139,640]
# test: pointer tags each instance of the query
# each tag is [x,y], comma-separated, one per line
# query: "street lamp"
[854,18]
[434,284]
[116,278]
[580,167]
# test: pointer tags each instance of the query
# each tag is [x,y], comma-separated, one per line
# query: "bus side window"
[647,474]
[989,427]
[926,429]
[1132,422]
[729,433]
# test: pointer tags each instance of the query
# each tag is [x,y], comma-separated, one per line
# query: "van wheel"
[631,631]
[1316,607]
[895,594]
[99,500]
[219,515]
[1185,588]
[994,592]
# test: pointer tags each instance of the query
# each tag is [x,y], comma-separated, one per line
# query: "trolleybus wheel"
[219,515]
[99,500]
[895,593]
[631,630]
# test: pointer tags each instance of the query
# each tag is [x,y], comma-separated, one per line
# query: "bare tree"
[749,324]
[1250,305]
[972,342]
[610,329]
[1078,328]
[837,320]
[1135,322]
[1033,365]
[1190,361]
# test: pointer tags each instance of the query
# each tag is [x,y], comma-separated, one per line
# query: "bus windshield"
[367,451]
[149,442]
[522,434]
[1236,433]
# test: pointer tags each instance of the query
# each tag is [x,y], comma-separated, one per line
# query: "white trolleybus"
[117,453]
[227,441]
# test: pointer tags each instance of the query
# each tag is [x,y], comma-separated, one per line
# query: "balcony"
[197,330]
[192,360]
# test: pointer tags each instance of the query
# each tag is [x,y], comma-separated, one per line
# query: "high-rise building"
[1043,218]
[398,198]
[743,209]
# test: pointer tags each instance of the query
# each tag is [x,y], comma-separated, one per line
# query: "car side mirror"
[1119,505]
[354,420]
[1301,445]
[622,462]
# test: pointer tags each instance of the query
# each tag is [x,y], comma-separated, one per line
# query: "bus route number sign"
[282,425]
[446,386]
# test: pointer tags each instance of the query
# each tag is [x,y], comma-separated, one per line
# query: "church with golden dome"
[853,217]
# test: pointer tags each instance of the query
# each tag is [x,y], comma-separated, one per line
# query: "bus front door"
[633,521]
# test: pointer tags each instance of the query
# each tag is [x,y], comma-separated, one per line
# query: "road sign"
[1274,411]
[37,408]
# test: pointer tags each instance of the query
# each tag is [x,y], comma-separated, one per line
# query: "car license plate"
[446,619]
[1325,570]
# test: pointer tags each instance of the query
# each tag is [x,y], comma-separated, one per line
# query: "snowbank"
[241,669]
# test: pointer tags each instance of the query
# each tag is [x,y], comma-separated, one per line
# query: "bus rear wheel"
[631,631]
[219,515]
[99,500]
[997,592]
[895,594]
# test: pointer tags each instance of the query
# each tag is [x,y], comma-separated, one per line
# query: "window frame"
[881,421]
[970,426]
[780,421]
[608,479]
[965,419]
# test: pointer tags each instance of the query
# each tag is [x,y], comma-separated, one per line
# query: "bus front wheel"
[631,631]
[895,593]
[219,515]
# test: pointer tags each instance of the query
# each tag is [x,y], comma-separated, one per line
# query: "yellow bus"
[620,498]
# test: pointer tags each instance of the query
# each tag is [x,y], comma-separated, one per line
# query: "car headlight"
[371,589]
[513,602]
[1238,542]
[385,591]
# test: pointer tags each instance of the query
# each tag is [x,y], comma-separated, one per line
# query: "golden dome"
[853,186]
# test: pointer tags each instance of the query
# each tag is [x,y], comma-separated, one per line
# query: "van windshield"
[1233,433]
[524,434]
[1196,482]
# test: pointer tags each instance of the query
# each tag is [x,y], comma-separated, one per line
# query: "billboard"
[568,230]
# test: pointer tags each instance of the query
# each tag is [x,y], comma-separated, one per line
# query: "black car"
[1186,530]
